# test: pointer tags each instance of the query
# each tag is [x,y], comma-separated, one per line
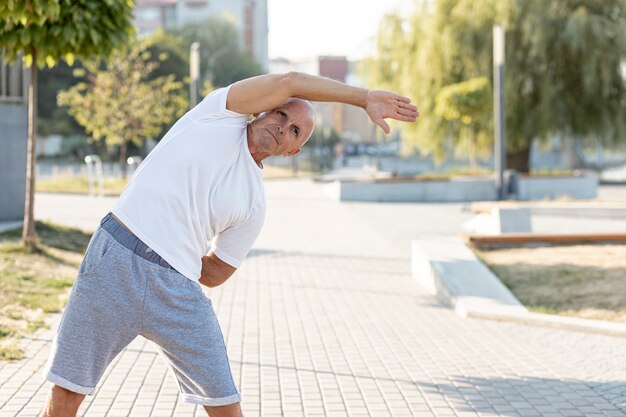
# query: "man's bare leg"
[231,410]
[62,403]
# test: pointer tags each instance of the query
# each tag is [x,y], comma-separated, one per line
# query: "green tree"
[52,119]
[122,102]
[466,106]
[47,30]
[164,47]
[172,53]
[169,51]
[563,66]
[222,59]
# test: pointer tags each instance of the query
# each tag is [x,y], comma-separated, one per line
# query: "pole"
[90,174]
[498,110]
[194,72]
[99,176]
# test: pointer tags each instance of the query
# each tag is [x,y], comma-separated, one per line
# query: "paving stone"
[324,319]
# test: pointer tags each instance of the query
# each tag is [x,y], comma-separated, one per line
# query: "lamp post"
[95,173]
[194,72]
[217,54]
[498,110]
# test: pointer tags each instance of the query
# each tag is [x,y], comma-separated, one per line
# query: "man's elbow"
[215,271]
[214,280]
[211,283]
[290,82]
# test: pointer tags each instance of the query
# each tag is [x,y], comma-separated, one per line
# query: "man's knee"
[231,410]
[62,402]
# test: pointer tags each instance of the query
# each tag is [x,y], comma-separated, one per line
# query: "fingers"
[408,106]
[384,104]
[384,125]
[403,118]
[409,113]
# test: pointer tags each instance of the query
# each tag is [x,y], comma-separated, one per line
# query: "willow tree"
[45,31]
[122,101]
[563,66]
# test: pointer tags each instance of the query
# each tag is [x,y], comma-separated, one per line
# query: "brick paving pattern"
[324,319]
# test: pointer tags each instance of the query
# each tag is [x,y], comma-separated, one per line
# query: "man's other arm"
[215,271]
[265,92]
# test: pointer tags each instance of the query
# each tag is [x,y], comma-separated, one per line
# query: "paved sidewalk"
[324,319]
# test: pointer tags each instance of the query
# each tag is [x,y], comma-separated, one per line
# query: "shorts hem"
[211,402]
[64,383]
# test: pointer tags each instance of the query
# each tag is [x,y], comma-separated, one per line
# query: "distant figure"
[143,268]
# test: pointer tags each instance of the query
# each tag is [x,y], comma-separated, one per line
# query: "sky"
[306,28]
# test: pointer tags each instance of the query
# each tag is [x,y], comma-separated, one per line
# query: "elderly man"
[143,268]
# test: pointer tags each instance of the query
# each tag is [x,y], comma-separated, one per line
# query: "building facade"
[248,16]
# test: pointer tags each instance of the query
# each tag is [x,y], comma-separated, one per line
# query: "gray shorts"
[124,289]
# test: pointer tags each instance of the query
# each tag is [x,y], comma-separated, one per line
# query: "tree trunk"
[29,238]
[123,150]
[519,160]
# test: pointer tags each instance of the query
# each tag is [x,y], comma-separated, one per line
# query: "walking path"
[324,319]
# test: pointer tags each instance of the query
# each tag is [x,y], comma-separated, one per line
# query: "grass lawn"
[79,185]
[587,281]
[34,284]
[114,187]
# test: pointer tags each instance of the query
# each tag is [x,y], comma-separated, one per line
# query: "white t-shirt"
[199,183]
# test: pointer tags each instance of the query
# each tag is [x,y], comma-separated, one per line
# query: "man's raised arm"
[265,92]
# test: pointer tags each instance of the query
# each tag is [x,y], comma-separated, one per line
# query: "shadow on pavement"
[531,396]
[512,397]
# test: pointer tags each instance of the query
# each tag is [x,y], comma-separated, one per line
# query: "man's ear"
[293,152]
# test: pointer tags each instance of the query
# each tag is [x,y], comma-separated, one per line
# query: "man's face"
[283,131]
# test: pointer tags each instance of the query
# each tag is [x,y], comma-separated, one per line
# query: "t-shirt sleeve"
[213,107]
[233,244]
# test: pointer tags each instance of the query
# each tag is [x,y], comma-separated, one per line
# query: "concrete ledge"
[461,189]
[615,212]
[456,190]
[582,186]
[554,321]
[544,238]
[446,267]
[596,209]
[500,220]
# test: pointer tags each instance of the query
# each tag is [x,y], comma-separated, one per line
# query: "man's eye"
[282,114]
[295,131]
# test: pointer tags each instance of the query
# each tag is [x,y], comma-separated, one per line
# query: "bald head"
[301,102]
[305,110]
[281,131]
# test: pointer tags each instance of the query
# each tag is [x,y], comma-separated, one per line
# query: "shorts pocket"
[186,287]
[99,247]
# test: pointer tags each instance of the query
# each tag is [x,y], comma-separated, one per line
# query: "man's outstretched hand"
[381,105]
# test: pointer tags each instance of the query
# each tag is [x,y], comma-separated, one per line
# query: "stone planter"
[581,186]
[399,190]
